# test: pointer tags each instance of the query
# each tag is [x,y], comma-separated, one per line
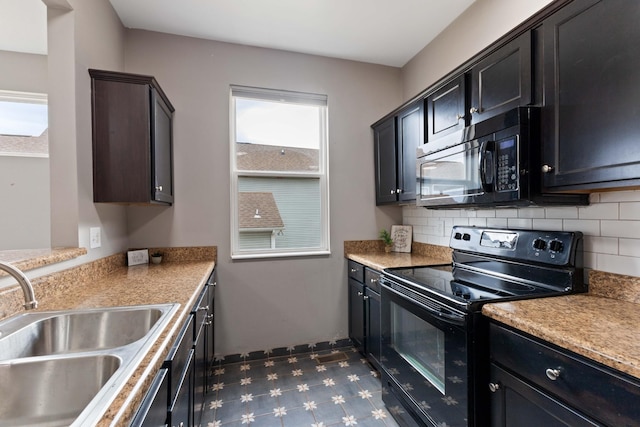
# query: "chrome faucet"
[29,296]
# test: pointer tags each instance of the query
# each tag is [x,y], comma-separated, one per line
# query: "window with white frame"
[23,124]
[279,173]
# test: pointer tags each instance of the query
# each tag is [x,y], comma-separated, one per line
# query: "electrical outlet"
[94,237]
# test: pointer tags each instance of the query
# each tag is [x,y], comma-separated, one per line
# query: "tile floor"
[297,391]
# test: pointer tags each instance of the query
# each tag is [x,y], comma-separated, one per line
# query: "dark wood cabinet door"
[503,80]
[410,136]
[446,109]
[373,326]
[384,139]
[356,315]
[592,88]
[515,403]
[162,130]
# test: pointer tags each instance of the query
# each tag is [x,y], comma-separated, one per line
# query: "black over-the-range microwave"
[493,163]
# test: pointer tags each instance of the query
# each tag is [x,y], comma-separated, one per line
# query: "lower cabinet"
[177,395]
[364,311]
[534,383]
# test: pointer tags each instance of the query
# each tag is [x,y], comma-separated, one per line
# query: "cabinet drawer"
[356,271]
[200,310]
[371,279]
[608,396]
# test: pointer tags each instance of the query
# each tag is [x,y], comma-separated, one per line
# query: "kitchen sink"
[51,392]
[65,368]
[57,333]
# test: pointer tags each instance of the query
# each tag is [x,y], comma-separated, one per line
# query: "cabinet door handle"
[547,168]
[353,270]
[360,294]
[399,191]
[373,280]
[158,187]
[366,297]
[494,387]
[206,308]
[393,191]
[553,374]
[473,110]
[459,116]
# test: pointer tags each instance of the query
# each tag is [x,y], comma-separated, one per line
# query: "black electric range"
[434,338]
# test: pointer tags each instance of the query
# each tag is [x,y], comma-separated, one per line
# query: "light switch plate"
[94,237]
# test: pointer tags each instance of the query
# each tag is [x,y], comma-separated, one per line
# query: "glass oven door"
[424,356]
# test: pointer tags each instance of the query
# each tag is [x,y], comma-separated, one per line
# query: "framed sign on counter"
[401,235]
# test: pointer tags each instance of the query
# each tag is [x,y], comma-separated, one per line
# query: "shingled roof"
[276,158]
[258,211]
[25,145]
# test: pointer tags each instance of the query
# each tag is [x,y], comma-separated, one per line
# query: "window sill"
[309,253]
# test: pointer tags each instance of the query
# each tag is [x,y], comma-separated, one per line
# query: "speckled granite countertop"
[371,254]
[106,283]
[602,325]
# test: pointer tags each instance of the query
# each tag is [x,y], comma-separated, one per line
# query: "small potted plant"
[386,239]
[156,257]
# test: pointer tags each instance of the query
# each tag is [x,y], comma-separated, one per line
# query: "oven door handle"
[451,318]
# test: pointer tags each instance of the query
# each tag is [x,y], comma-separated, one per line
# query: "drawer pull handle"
[494,387]
[360,294]
[553,374]
[353,270]
[374,280]
[206,308]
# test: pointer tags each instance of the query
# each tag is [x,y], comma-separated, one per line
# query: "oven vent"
[333,357]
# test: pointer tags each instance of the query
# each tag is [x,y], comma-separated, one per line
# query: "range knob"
[540,244]
[556,245]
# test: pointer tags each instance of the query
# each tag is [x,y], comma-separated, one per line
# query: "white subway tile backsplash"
[547,224]
[630,229]
[619,264]
[629,247]
[620,196]
[603,245]
[497,222]
[524,223]
[630,210]
[565,212]
[531,213]
[611,224]
[506,213]
[589,227]
[599,211]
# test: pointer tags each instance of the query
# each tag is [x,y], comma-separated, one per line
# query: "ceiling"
[376,31]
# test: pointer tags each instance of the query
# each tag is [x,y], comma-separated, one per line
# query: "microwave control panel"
[507,164]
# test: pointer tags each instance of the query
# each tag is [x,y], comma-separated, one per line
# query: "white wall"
[267,303]
[611,223]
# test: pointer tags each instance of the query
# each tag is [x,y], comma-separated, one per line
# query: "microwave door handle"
[487,167]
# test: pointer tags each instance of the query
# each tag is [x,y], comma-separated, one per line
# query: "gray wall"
[268,303]
[24,181]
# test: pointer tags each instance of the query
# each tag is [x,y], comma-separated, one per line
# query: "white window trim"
[266,94]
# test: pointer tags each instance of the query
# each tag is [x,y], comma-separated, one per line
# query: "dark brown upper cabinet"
[503,80]
[446,109]
[132,139]
[395,142]
[497,83]
[592,87]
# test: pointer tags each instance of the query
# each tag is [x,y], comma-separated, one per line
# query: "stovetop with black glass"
[499,264]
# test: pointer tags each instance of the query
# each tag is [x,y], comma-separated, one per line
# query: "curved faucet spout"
[29,296]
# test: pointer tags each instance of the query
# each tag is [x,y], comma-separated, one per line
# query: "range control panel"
[559,248]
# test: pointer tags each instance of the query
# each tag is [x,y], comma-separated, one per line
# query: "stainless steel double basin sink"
[65,368]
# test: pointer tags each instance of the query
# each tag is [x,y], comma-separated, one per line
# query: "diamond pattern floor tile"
[296,391]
